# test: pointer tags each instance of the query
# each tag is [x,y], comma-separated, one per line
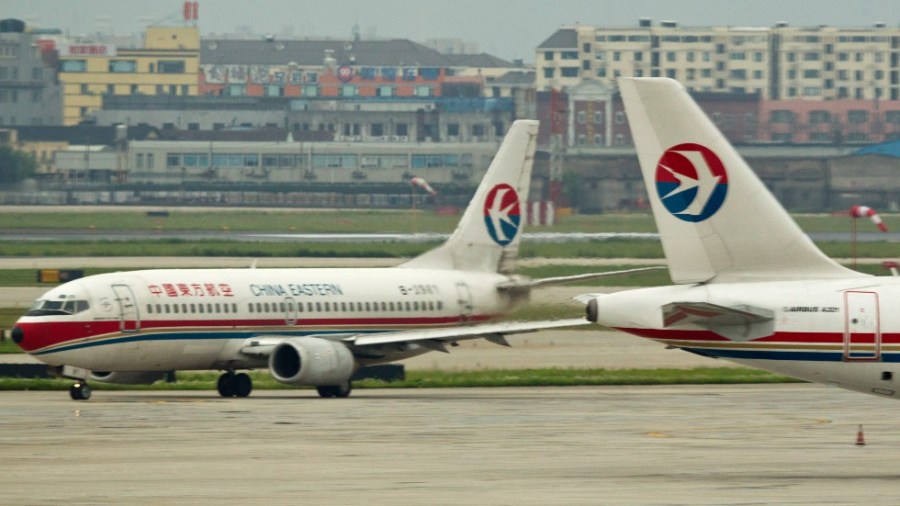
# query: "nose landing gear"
[80,391]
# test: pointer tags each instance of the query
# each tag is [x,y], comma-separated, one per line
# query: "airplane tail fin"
[487,237]
[716,219]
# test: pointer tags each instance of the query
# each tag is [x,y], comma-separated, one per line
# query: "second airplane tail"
[716,219]
[488,234]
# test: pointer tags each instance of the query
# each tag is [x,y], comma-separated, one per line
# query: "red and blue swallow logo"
[502,216]
[691,182]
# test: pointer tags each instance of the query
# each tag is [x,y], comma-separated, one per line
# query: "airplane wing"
[739,323]
[435,338]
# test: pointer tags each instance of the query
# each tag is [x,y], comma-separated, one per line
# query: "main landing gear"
[234,385]
[342,390]
[80,391]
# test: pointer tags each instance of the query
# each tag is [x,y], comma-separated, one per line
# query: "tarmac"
[674,445]
[697,445]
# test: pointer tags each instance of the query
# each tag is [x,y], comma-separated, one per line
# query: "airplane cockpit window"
[57,307]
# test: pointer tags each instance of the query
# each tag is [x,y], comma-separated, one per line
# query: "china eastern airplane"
[749,285]
[310,327]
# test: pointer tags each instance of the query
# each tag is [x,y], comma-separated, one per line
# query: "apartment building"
[29,94]
[779,62]
[168,64]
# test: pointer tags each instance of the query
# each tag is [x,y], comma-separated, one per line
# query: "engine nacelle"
[128,378]
[592,310]
[311,361]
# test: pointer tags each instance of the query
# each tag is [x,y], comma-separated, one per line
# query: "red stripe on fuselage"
[778,337]
[41,334]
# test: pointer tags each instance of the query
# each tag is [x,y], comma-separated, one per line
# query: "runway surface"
[698,445]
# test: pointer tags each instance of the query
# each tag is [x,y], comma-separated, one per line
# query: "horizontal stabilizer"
[491,331]
[525,284]
[739,323]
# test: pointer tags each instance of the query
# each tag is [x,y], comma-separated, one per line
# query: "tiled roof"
[564,38]
[391,52]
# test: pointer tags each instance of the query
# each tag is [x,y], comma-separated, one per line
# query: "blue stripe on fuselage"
[195,336]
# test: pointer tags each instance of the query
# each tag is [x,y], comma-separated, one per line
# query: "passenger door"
[129,314]
[862,326]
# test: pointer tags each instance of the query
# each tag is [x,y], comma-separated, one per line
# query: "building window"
[170,66]
[311,90]
[819,116]
[569,71]
[782,116]
[424,91]
[384,91]
[548,55]
[569,55]
[858,116]
[123,66]
[150,164]
[73,66]
[349,90]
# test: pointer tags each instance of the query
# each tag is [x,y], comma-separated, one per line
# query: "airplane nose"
[17,335]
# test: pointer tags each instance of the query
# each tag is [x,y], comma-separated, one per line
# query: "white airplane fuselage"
[838,332]
[159,320]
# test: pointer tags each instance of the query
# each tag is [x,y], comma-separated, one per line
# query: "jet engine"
[592,310]
[128,378]
[311,361]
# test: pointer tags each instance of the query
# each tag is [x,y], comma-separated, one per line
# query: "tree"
[15,165]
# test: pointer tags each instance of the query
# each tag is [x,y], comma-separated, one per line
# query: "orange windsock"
[863,211]
[421,183]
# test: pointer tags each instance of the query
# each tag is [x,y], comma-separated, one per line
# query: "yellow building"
[168,64]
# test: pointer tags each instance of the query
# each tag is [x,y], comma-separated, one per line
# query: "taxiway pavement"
[697,445]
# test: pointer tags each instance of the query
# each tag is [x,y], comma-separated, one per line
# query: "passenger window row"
[299,307]
[345,307]
[193,308]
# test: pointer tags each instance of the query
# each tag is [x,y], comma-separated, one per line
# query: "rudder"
[488,234]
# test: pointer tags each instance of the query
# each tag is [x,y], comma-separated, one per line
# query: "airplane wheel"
[227,386]
[80,391]
[342,390]
[243,385]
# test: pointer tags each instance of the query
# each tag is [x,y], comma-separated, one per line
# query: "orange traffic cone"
[860,438]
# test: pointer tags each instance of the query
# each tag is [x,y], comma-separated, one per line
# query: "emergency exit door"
[862,326]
